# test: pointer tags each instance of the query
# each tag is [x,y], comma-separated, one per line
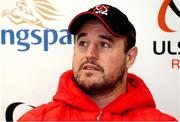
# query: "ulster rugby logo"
[162,12]
[32,12]
[101,9]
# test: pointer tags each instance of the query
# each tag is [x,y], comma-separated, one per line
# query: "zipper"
[98,118]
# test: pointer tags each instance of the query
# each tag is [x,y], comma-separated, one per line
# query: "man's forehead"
[99,37]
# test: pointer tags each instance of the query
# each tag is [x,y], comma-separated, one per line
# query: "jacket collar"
[137,95]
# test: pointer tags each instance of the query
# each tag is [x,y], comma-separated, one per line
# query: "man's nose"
[92,52]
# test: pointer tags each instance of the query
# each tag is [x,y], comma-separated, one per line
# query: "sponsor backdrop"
[36,48]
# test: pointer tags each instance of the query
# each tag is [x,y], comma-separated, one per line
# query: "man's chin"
[88,78]
[88,81]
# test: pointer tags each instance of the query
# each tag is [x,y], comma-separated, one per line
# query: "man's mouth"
[90,67]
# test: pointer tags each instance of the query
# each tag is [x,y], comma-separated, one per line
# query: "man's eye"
[82,43]
[105,45]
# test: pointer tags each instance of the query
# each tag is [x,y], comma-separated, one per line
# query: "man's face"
[99,60]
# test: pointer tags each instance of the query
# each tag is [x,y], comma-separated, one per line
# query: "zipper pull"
[98,118]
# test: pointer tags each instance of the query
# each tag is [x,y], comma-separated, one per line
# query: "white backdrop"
[32,76]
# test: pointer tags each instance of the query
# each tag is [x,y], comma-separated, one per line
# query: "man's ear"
[131,56]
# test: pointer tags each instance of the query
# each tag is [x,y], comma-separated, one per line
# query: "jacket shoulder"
[40,113]
[151,114]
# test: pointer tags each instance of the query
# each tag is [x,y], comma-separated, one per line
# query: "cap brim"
[81,18]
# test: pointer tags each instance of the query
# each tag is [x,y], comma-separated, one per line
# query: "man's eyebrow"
[109,38]
[80,35]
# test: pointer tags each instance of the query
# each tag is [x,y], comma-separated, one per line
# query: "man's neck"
[104,100]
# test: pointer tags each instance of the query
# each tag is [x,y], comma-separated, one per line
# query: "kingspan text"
[25,38]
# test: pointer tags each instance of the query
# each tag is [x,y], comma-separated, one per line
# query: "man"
[99,87]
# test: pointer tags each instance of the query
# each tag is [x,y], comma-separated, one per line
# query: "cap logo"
[101,9]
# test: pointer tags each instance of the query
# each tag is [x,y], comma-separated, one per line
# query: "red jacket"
[70,103]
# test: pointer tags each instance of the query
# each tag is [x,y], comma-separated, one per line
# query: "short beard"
[100,89]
